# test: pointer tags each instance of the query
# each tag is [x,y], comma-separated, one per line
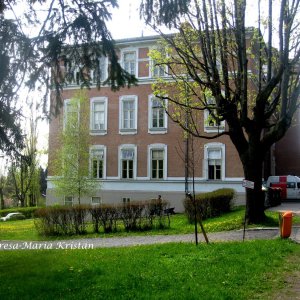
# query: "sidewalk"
[226,236]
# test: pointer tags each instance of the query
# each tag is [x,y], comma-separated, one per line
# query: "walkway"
[226,236]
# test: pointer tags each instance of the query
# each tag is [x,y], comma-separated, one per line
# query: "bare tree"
[232,73]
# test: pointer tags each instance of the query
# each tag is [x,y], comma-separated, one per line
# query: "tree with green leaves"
[221,66]
[72,159]
[37,36]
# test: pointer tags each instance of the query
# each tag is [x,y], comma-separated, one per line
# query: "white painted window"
[68,200]
[71,113]
[97,162]
[212,122]
[157,115]
[157,161]
[128,114]
[214,161]
[158,70]
[129,58]
[128,161]
[98,115]
[96,200]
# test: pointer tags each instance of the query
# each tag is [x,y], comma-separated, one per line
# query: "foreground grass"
[173,271]
[24,230]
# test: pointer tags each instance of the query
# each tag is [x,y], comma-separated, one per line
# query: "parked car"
[13,216]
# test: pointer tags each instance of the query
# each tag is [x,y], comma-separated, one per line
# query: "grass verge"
[247,270]
[24,230]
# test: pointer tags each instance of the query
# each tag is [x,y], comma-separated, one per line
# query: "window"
[214,164]
[157,115]
[127,165]
[71,113]
[158,70]
[128,114]
[68,200]
[298,185]
[129,62]
[96,200]
[157,161]
[125,200]
[97,154]
[98,124]
[212,121]
[214,161]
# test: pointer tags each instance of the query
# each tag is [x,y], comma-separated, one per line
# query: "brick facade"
[142,186]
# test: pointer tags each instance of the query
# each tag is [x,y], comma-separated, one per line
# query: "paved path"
[226,236]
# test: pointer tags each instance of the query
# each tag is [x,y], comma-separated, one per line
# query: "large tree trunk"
[255,198]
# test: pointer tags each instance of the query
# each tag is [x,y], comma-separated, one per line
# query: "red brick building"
[137,152]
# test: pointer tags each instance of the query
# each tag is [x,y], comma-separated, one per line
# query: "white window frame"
[120,165]
[123,99]
[97,203]
[208,128]
[161,147]
[100,148]
[65,115]
[68,202]
[151,129]
[93,101]
[207,148]
[126,51]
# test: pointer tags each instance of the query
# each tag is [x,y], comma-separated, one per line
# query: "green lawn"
[247,270]
[25,230]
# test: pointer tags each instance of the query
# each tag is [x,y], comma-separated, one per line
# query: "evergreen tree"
[49,35]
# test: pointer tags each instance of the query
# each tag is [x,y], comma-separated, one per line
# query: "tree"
[35,37]
[214,56]
[72,159]
[24,170]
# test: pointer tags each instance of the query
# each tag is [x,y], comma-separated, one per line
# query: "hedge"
[28,212]
[209,204]
[139,215]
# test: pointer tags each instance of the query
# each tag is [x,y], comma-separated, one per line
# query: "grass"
[24,230]
[249,270]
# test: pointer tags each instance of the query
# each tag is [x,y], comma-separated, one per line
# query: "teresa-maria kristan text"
[44,245]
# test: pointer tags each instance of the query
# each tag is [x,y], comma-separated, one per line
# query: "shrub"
[28,212]
[210,204]
[131,214]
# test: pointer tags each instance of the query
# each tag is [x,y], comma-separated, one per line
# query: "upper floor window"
[101,71]
[130,62]
[71,113]
[98,114]
[158,161]
[212,121]
[158,70]
[215,161]
[128,114]
[157,115]
[97,165]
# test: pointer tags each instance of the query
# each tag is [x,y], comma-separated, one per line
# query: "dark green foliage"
[27,58]
[210,204]
[28,212]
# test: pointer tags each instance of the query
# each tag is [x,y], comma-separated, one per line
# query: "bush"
[140,215]
[61,220]
[210,204]
[28,212]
